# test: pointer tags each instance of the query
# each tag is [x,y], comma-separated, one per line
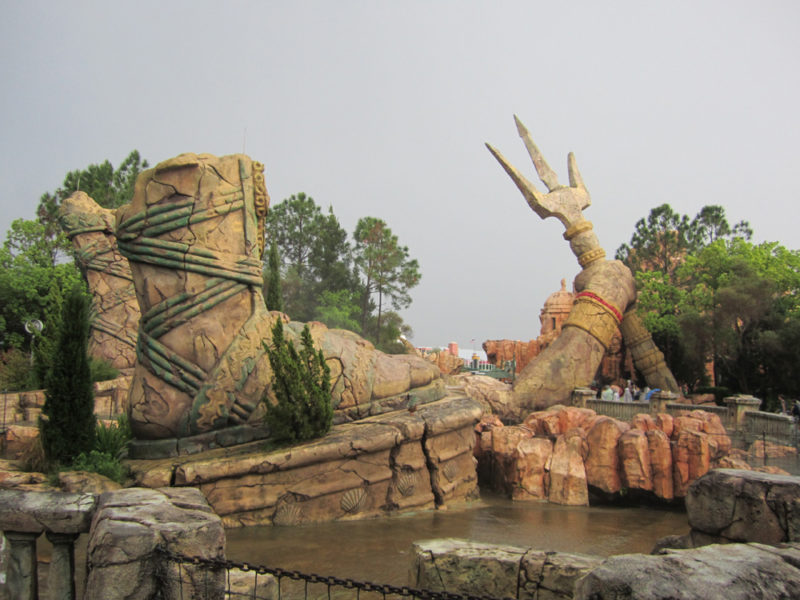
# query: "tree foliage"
[67,426]
[385,268]
[272,281]
[716,298]
[302,387]
[31,283]
[325,278]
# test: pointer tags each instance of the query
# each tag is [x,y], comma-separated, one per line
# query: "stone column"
[61,580]
[738,405]
[23,581]
[581,394]
[659,401]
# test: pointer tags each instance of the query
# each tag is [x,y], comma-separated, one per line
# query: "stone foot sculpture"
[604,289]
[115,312]
[193,234]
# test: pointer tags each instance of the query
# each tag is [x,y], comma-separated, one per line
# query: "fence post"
[580,395]
[659,401]
[737,407]
[23,579]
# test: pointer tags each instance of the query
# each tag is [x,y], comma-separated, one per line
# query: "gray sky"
[382,109]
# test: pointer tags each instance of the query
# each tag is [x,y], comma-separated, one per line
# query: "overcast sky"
[382,109]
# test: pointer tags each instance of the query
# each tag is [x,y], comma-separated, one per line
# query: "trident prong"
[566,203]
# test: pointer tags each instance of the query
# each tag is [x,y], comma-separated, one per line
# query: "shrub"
[67,424]
[16,374]
[301,383]
[113,439]
[102,463]
[101,370]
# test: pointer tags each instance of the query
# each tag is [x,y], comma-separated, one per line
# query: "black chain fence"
[192,577]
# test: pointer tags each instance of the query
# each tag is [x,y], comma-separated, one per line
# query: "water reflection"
[380,549]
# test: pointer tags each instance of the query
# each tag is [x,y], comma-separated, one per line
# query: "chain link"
[330,580]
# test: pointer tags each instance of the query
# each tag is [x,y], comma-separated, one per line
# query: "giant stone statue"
[193,235]
[605,291]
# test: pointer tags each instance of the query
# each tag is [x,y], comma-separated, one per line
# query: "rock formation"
[604,291]
[733,572]
[731,505]
[562,453]
[115,311]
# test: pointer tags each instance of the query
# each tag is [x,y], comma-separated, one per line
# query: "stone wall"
[733,572]
[383,464]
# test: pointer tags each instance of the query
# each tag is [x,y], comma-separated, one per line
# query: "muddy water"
[379,550]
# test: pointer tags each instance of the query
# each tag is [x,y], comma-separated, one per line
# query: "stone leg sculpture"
[191,234]
[115,312]
[604,289]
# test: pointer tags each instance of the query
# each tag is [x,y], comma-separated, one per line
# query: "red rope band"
[597,298]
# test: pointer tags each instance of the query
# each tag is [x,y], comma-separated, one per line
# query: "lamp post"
[33,327]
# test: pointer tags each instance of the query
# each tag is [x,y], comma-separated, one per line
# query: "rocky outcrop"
[563,453]
[475,569]
[127,528]
[728,505]
[732,572]
[392,462]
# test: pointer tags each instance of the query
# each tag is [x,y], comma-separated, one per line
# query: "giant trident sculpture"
[605,290]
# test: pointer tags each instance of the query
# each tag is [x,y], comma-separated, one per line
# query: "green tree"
[659,243]
[385,268]
[29,278]
[711,224]
[107,186]
[339,310]
[302,387]
[272,283]
[314,251]
[67,427]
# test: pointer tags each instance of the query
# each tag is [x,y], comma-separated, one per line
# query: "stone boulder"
[568,477]
[475,569]
[602,460]
[534,472]
[129,525]
[733,505]
[732,572]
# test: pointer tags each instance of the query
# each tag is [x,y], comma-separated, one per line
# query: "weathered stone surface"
[116,311]
[635,464]
[733,572]
[56,512]
[128,526]
[533,465]
[552,575]
[568,477]
[394,461]
[475,569]
[602,460]
[745,506]
[691,458]
[85,482]
[466,567]
[660,452]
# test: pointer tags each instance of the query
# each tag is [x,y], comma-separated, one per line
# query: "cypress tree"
[68,425]
[301,384]
[274,297]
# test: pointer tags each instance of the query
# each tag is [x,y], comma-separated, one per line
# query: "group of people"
[629,393]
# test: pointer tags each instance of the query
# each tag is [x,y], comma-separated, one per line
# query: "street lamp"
[33,327]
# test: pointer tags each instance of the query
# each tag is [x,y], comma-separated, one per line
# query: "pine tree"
[274,297]
[68,424]
[302,387]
